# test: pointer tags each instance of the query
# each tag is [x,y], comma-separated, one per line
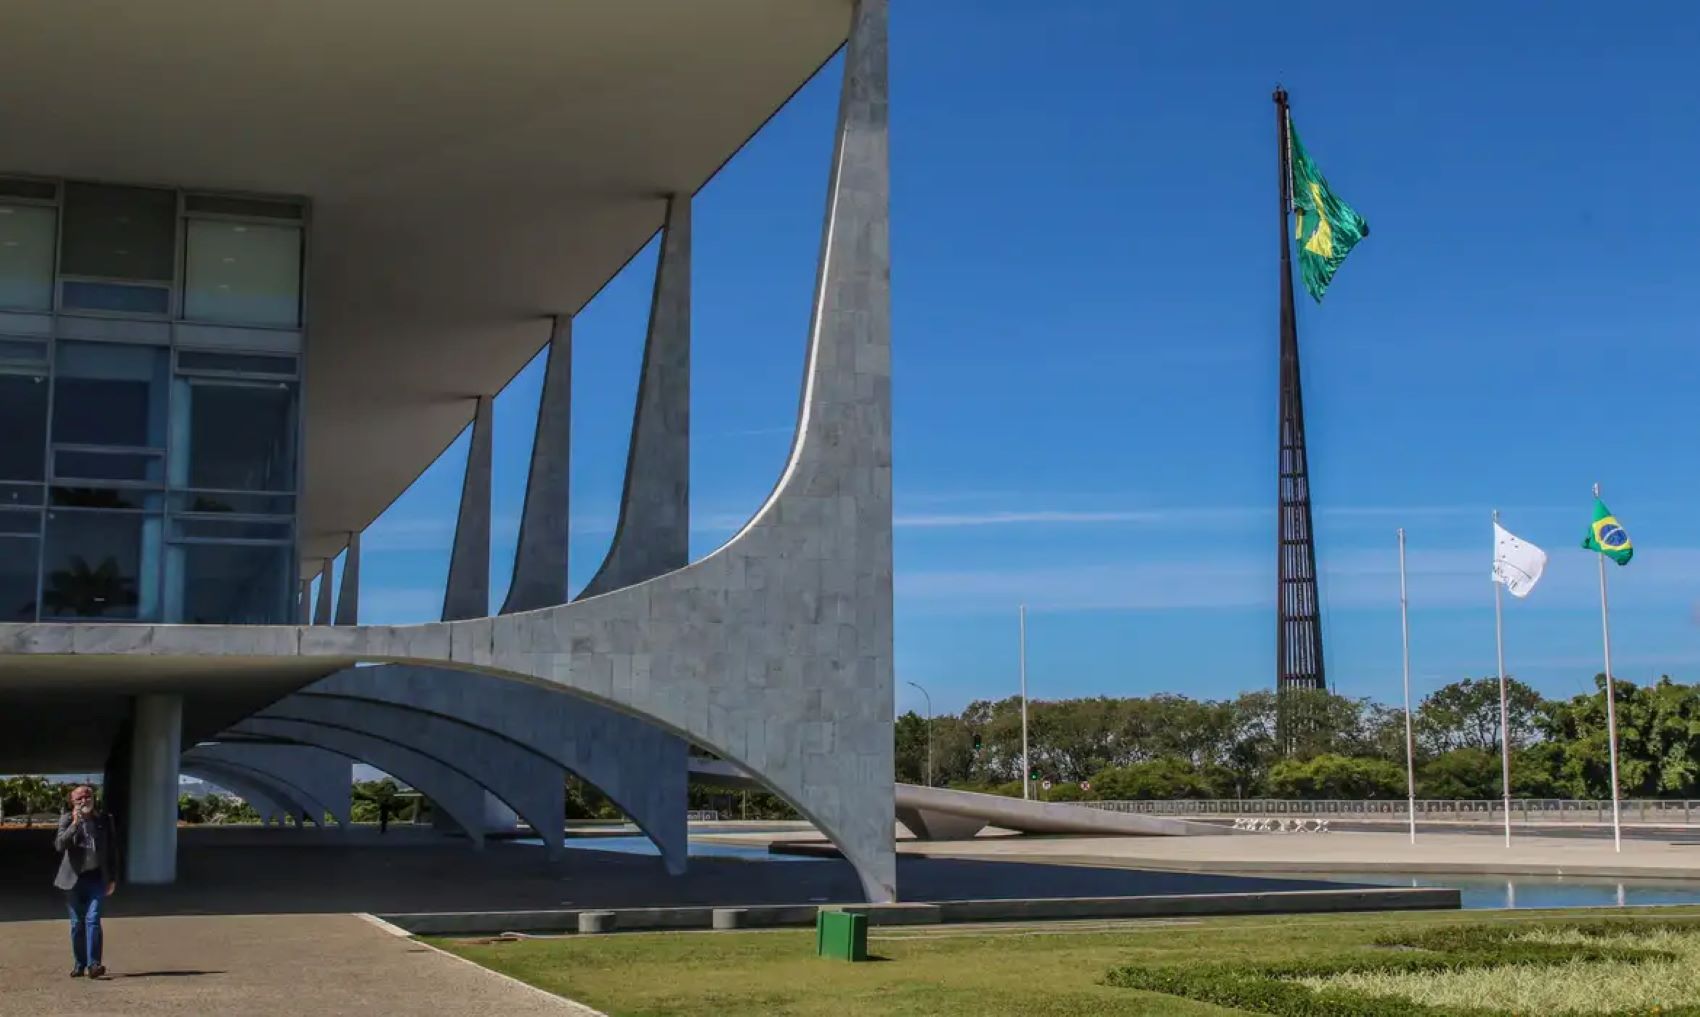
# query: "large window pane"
[243,273]
[17,578]
[233,436]
[119,232]
[23,426]
[105,394]
[101,565]
[26,256]
[231,584]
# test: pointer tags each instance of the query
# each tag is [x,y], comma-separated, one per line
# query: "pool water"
[640,845]
[1485,892]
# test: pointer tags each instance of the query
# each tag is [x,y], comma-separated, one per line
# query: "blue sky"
[1084,319]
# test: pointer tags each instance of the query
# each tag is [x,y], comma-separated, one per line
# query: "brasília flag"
[1608,536]
[1516,562]
[1325,227]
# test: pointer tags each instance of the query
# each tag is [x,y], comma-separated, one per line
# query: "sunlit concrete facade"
[774,652]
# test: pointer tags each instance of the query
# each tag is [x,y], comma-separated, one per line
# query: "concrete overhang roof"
[472,168]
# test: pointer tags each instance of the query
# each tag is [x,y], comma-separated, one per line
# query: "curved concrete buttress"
[641,768]
[264,798]
[448,789]
[305,804]
[532,786]
[324,777]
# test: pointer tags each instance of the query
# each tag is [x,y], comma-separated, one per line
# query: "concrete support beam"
[639,766]
[322,606]
[321,780]
[540,558]
[531,785]
[653,534]
[262,798]
[450,790]
[348,594]
[151,815]
[468,593]
[294,804]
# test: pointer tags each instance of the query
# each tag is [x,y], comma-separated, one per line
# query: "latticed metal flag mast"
[1325,229]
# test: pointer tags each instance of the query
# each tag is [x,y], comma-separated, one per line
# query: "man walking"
[88,873]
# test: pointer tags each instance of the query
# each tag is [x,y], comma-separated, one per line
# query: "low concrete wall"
[465,923]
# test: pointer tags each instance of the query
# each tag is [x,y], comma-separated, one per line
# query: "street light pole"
[1026,773]
[929,733]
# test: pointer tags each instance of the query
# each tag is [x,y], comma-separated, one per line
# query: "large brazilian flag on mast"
[1326,227]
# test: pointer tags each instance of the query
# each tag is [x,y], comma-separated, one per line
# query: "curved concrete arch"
[532,786]
[641,768]
[261,800]
[306,808]
[322,779]
[775,651]
[447,788]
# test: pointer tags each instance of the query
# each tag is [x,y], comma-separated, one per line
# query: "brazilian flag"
[1326,227]
[1608,536]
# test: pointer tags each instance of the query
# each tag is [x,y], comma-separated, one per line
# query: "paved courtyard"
[257,966]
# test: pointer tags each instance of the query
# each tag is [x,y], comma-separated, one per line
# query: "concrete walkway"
[1642,857]
[256,966]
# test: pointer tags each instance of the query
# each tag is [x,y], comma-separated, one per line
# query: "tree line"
[1174,746]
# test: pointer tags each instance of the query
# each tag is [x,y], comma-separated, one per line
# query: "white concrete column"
[150,818]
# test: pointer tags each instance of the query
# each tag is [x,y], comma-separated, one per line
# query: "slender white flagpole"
[1026,772]
[1504,720]
[1611,698]
[1410,741]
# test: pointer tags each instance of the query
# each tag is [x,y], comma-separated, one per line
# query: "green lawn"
[1053,970]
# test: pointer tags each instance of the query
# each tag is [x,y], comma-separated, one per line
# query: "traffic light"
[1033,774]
[977,741]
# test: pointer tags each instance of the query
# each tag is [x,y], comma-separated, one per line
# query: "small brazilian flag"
[1326,227]
[1608,536]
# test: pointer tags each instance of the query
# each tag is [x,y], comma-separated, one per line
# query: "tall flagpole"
[1410,741]
[1611,698]
[1504,720]
[1026,771]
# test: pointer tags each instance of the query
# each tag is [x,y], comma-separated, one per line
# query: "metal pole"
[1611,698]
[1504,721]
[929,733]
[1410,740]
[1026,771]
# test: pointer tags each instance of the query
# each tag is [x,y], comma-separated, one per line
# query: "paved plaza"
[257,966]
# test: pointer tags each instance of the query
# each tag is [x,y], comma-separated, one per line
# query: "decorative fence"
[1648,811]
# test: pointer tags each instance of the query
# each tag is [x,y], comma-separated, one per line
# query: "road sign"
[1085,785]
[1046,786]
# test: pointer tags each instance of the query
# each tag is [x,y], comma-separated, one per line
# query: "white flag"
[1516,563]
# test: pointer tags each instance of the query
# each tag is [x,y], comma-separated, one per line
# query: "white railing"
[1648,811]
[702,816]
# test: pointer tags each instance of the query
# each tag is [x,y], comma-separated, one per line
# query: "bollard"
[593,922]
[729,918]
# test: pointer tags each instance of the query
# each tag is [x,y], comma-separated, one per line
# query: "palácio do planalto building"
[260,266]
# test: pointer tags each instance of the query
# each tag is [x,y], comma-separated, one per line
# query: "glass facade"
[149,404]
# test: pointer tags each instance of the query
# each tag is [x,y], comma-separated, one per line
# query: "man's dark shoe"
[97,970]
[77,972]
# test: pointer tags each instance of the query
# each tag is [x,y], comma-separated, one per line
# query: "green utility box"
[841,935]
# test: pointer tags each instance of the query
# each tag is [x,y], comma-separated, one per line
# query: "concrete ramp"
[936,813]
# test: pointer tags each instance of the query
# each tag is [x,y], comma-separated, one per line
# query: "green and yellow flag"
[1608,536]
[1326,227]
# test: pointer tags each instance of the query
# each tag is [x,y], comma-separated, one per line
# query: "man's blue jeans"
[84,901]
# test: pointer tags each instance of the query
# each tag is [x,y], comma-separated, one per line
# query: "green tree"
[1465,715]
[1461,773]
[1333,776]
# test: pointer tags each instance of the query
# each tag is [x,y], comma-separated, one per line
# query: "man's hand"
[111,888]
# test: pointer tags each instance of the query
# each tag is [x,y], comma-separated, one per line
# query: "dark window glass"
[240,437]
[91,465]
[227,501]
[117,297]
[193,528]
[234,585]
[41,190]
[23,351]
[243,273]
[14,522]
[235,363]
[107,394]
[23,426]
[104,498]
[18,558]
[119,232]
[100,565]
[20,494]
